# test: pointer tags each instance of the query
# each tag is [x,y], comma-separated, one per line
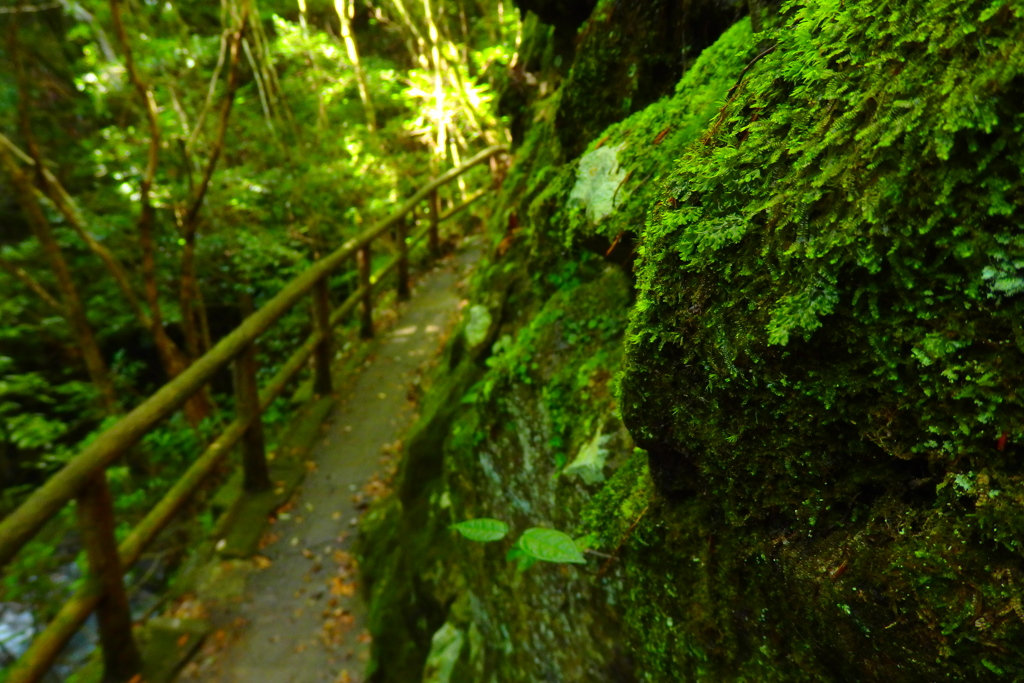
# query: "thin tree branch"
[55,192]
[210,91]
[147,213]
[225,114]
[23,9]
[22,275]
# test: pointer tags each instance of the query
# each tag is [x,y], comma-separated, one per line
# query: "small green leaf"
[482,530]
[520,557]
[550,545]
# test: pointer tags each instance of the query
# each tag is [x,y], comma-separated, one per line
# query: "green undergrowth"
[497,430]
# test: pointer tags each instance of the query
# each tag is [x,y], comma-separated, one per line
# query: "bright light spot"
[181,241]
[190,62]
[90,78]
[125,188]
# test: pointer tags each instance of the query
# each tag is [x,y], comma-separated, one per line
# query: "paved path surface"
[300,618]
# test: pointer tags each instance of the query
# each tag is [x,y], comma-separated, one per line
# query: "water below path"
[298,616]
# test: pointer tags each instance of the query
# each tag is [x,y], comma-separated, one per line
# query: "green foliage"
[549,545]
[482,529]
[36,415]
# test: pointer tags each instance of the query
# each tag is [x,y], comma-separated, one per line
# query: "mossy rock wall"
[449,609]
[826,347]
[820,367]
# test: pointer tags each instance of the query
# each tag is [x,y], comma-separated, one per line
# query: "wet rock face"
[565,15]
[629,55]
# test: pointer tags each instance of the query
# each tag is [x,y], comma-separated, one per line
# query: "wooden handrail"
[24,522]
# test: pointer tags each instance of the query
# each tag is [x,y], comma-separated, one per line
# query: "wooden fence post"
[121,659]
[325,348]
[366,328]
[247,406]
[433,240]
[403,259]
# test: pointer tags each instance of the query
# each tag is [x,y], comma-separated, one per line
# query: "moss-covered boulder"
[826,348]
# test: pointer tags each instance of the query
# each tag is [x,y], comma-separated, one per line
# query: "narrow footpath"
[297,615]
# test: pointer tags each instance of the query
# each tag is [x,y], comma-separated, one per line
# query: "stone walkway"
[298,616]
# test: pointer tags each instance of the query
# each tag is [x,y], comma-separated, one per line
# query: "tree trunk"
[346,11]
[74,309]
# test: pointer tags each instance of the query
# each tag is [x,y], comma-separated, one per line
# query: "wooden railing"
[84,480]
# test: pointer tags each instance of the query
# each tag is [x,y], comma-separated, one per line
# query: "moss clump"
[646,145]
[827,338]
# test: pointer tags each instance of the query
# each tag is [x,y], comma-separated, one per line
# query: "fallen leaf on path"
[336,516]
[335,627]
[375,488]
[300,648]
[365,637]
[188,608]
[269,538]
[344,677]
[310,466]
[341,587]
[261,562]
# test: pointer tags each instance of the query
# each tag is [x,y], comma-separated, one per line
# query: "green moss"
[647,144]
[827,335]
